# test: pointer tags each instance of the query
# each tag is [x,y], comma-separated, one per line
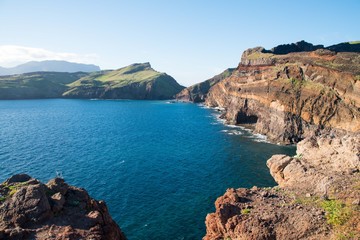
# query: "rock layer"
[307,97]
[33,210]
[288,97]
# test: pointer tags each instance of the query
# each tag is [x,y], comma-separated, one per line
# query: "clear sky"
[191,40]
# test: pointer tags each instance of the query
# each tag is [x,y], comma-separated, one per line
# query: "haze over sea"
[158,166]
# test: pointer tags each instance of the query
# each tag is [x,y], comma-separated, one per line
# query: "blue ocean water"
[158,166]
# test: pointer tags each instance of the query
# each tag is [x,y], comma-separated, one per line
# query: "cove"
[158,166]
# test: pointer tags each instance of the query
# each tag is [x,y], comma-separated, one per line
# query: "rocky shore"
[318,196]
[310,96]
[56,210]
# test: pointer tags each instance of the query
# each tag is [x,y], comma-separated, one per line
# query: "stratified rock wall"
[289,97]
[33,210]
[312,98]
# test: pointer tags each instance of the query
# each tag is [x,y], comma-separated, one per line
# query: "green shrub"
[245,211]
[336,212]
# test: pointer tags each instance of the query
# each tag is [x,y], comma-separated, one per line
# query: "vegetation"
[137,81]
[135,78]
[336,212]
[354,42]
[36,85]
[245,211]
[257,55]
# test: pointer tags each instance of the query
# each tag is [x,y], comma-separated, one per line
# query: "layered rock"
[307,97]
[198,92]
[288,97]
[56,210]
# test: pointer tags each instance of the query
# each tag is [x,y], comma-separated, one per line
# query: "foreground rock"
[33,210]
[318,196]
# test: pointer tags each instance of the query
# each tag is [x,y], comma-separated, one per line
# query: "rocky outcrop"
[56,210]
[307,97]
[301,46]
[320,161]
[318,196]
[259,214]
[198,92]
[289,97]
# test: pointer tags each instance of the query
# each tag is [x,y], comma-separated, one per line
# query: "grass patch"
[245,211]
[354,42]
[336,212]
[257,55]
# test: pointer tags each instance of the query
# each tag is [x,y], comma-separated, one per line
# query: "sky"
[191,40]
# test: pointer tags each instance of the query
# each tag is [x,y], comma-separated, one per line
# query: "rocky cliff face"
[318,196]
[198,92]
[33,210]
[288,97]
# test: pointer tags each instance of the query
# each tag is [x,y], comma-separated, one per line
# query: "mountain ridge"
[49,66]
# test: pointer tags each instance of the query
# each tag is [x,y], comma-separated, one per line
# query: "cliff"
[198,92]
[290,96]
[137,81]
[56,210]
[309,96]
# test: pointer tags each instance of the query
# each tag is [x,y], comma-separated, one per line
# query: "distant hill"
[197,92]
[36,85]
[137,81]
[49,66]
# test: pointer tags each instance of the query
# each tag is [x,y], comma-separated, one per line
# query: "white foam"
[259,138]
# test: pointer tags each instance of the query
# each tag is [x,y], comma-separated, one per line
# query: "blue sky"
[190,40]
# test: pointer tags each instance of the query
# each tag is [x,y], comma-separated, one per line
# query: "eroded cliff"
[307,97]
[56,210]
[291,96]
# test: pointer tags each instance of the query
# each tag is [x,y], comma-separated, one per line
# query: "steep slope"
[287,97]
[198,92]
[137,81]
[49,66]
[33,210]
[36,85]
[310,97]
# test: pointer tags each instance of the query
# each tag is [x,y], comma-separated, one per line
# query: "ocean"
[159,166]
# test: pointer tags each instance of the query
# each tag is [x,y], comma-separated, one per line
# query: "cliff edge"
[304,94]
[56,210]
[291,96]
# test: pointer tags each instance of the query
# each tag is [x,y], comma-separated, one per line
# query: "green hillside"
[137,81]
[36,85]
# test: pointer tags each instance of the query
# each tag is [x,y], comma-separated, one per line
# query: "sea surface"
[159,166]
